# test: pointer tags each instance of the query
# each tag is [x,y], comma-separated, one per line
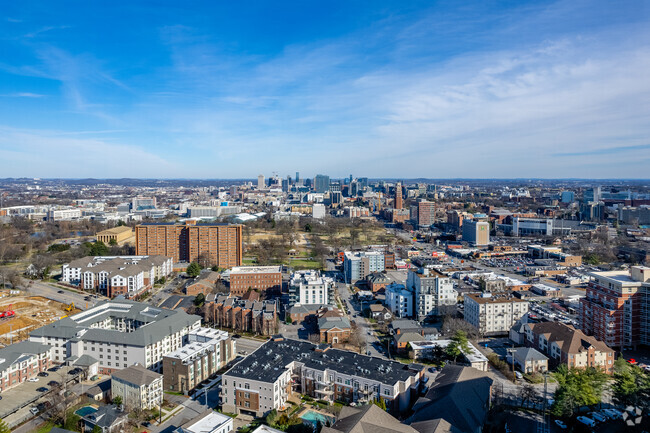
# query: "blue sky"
[220,89]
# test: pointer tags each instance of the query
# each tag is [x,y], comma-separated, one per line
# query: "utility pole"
[511,351]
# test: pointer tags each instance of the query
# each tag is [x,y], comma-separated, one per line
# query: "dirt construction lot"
[31,313]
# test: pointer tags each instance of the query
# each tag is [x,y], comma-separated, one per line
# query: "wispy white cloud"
[22,95]
[49,153]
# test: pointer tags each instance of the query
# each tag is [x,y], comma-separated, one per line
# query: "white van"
[587,421]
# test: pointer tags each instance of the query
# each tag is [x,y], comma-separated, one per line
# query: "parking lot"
[28,393]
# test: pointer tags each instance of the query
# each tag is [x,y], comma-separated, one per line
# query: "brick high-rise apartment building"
[398,196]
[185,243]
[616,308]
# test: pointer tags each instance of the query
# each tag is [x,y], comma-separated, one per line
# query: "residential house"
[368,418]
[109,419]
[458,401]
[529,360]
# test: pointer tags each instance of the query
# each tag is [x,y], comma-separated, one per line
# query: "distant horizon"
[254,179]
[550,89]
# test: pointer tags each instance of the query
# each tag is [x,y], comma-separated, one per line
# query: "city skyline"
[523,90]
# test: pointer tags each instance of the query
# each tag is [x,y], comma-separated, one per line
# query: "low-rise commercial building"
[493,314]
[207,351]
[138,387]
[265,379]
[262,278]
[204,283]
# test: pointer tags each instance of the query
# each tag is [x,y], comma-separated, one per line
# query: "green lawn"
[304,264]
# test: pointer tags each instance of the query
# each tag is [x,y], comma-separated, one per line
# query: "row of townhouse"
[258,317]
[118,334]
[265,379]
[117,275]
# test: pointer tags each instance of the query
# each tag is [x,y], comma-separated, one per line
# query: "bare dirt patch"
[31,312]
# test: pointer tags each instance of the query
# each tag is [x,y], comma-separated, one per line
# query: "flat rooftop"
[256,270]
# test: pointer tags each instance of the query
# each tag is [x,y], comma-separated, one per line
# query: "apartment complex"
[139,387]
[118,235]
[616,308]
[265,379]
[208,350]
[493,314]
[358,265]
[399,301]
[117,275]
[431,290]
[310,287]
[267,279]
[564,344]
[423,213]
[118,334]
[476,232]
[258,317]
[22,361]
[220,243]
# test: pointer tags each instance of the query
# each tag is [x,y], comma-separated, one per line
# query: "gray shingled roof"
[12,353]
[157,324]
[137,375]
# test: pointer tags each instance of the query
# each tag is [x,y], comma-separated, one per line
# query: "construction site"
[19,315]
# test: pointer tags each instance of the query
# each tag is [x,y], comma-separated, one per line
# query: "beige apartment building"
[493,314]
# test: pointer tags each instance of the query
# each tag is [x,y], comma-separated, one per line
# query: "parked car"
[612,413]
[33,379]
[43,374]
[53,383]
[34,411]
[42,389]
[59,291]
[560,423]
[597,416]
[587,421]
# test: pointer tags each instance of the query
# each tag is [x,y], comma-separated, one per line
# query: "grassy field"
[304,264]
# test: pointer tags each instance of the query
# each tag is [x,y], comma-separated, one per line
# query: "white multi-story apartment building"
[139,387]
[493,315]
[265,379]
[117,275]
[310,287]
[399,301]
[119,334]
[358,265]
[431,290]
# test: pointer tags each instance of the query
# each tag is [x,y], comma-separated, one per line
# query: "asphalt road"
[39,288]
[372,343]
